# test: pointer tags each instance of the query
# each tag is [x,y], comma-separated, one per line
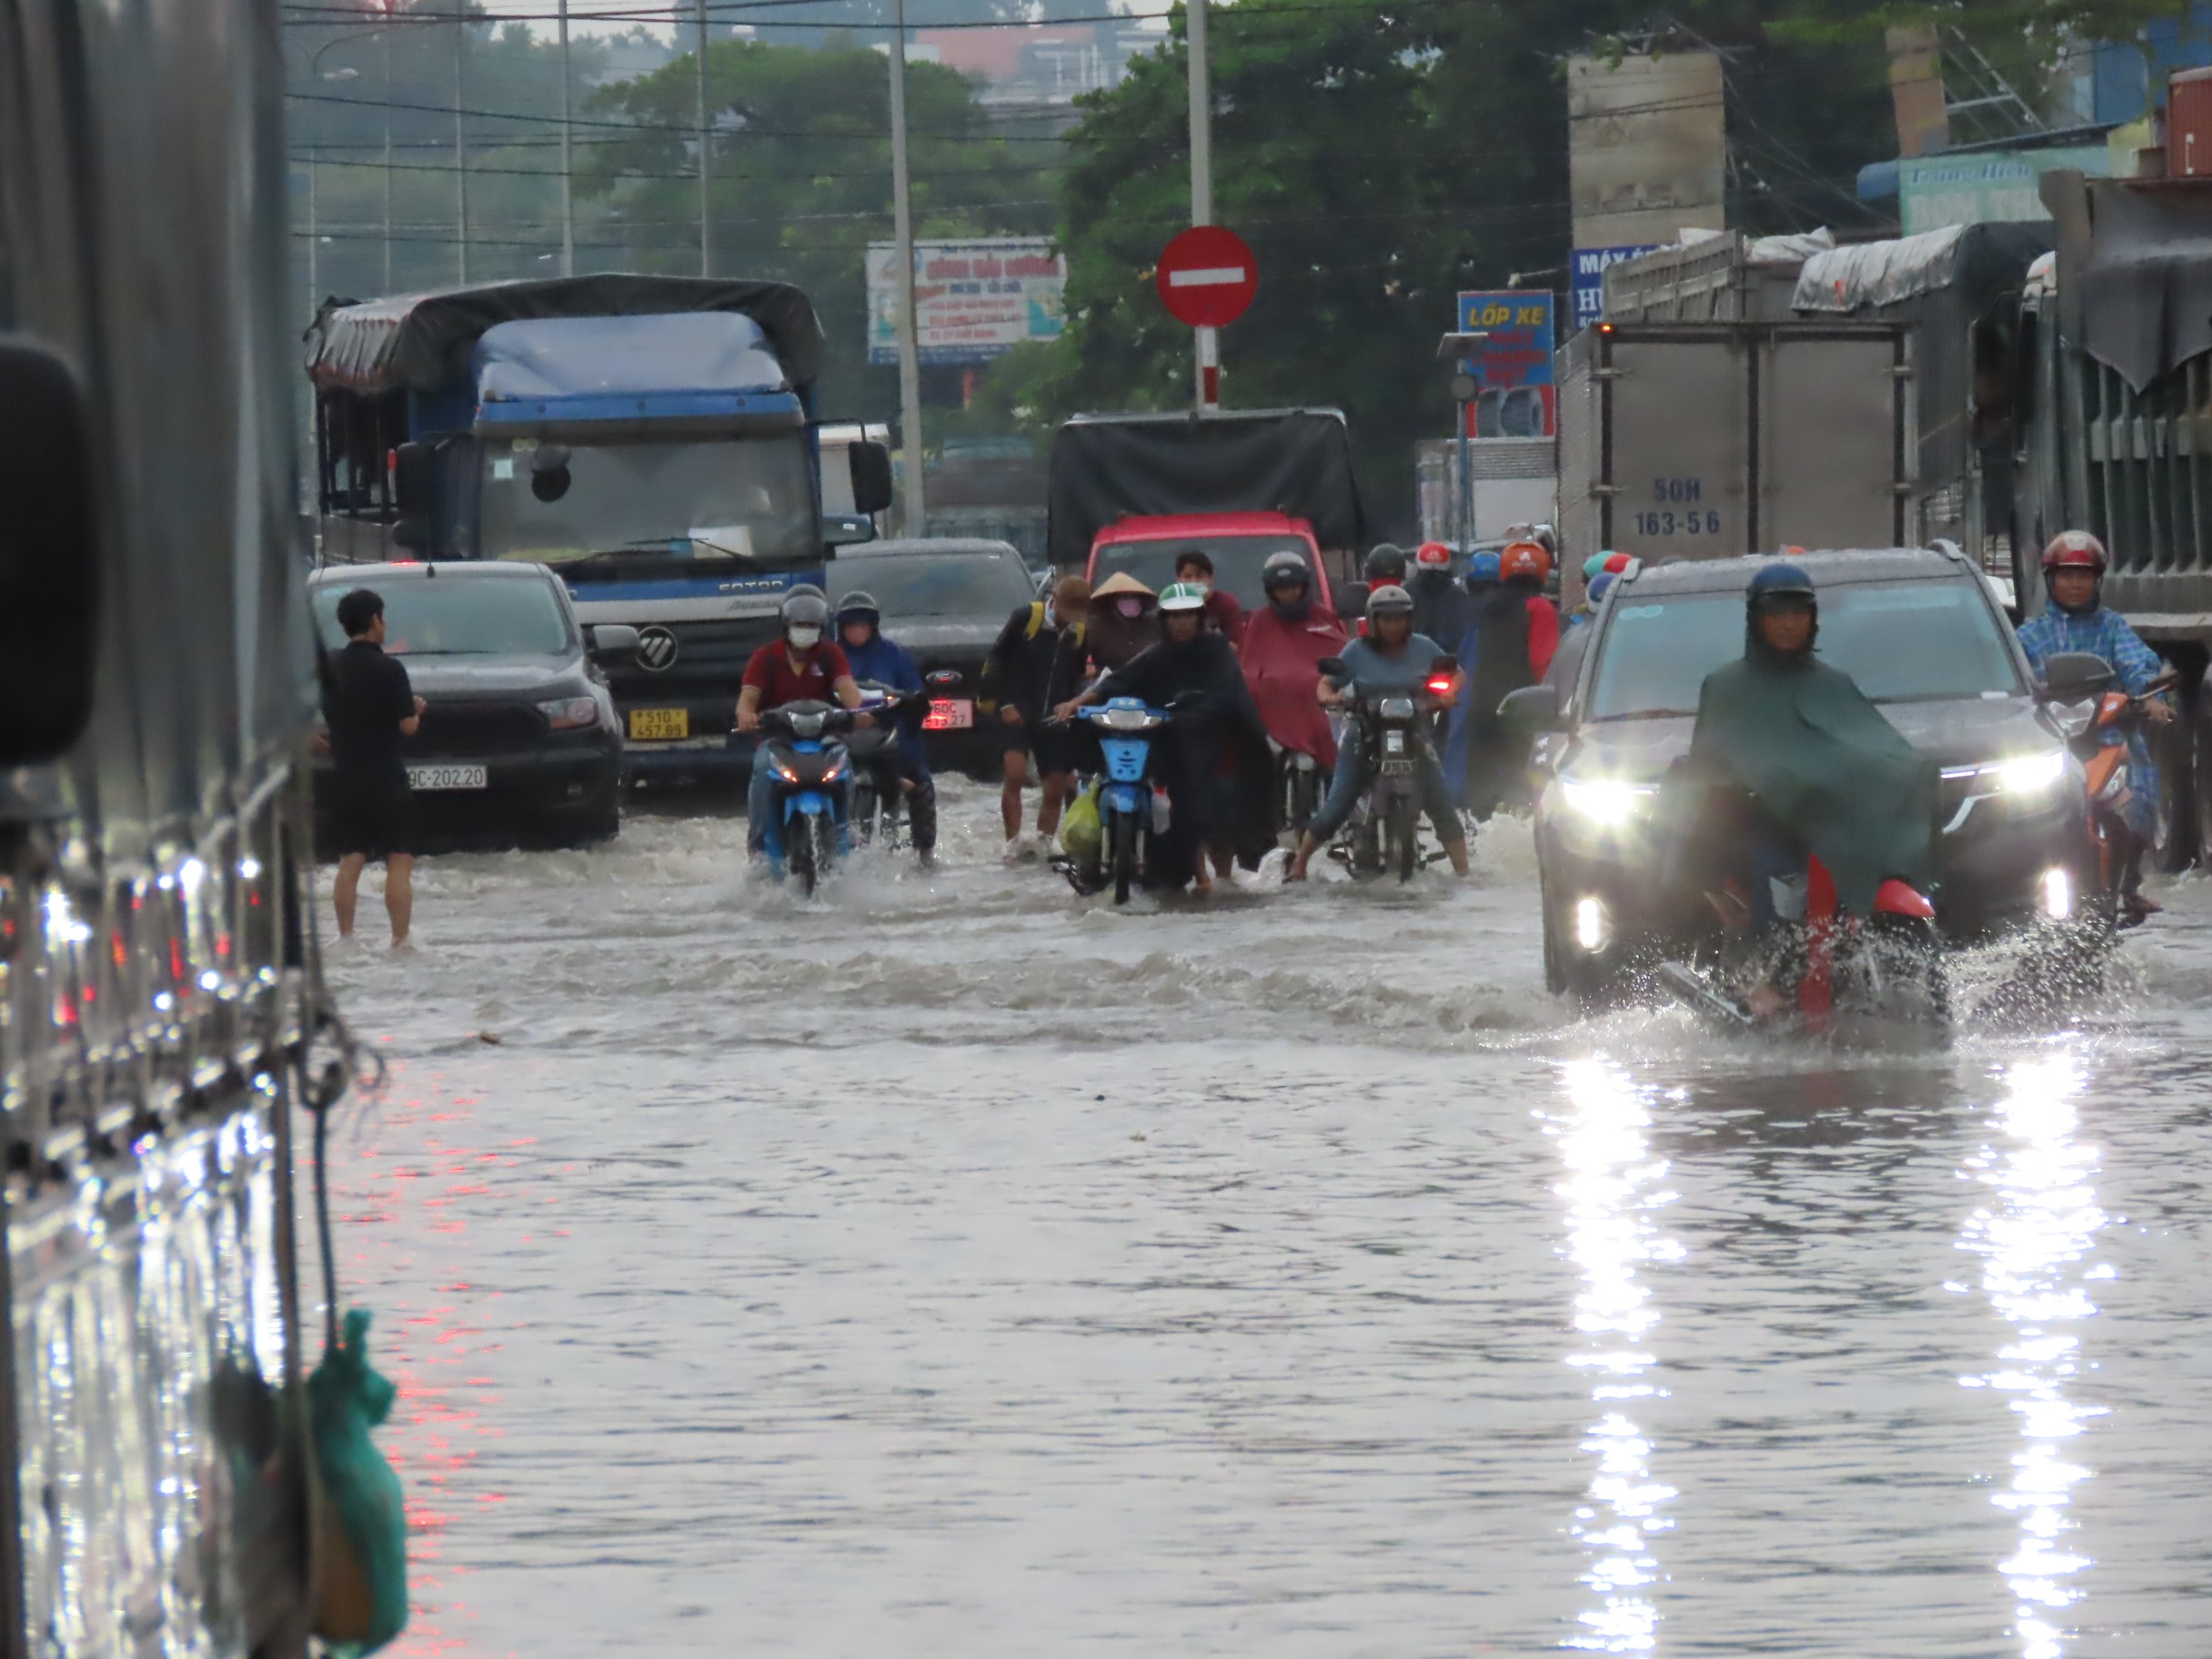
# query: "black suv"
[945,600]
[1924,636]
[518,741]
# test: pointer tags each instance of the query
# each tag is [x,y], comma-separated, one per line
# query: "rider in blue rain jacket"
[2077,620]
[886,662]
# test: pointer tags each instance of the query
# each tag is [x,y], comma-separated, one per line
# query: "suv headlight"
[569,713]
[2021,775]
[2030,774]
[1608,802]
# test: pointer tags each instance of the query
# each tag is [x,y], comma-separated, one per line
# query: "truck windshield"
[453,616]
[1237,561]
[733,500]
[946,585]
[1902,642]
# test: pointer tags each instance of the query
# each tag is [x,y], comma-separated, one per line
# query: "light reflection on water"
[1612,1188]
[2039,1221]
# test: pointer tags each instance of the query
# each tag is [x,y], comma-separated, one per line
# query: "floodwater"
[950,1266]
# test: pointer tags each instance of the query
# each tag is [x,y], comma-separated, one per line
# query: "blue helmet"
[1483,568]
[1601,585]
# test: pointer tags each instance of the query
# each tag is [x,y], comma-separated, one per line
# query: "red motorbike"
[1801,962]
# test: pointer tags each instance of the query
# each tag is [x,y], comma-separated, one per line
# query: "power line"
[638,128]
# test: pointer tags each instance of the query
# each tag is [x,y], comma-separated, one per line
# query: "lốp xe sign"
[1514,365]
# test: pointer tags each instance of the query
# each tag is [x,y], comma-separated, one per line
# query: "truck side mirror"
[870,466]
[415,493]
[49,557]
[415,479]
[1531,709]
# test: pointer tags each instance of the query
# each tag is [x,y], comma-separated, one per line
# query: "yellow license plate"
[660,725]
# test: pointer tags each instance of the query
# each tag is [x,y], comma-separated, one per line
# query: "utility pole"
[460,143]
[706,165]
[902,232]
[388,149]
[1201,193]
[568,199]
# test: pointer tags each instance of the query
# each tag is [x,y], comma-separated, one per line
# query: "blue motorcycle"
[1132,815]
[809,766]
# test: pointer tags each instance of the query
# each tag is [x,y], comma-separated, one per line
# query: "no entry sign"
[1207,277]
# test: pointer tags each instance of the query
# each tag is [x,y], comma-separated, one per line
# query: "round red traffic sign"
[1207,277]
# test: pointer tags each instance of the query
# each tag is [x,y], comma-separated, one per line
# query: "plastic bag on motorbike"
[1080,835]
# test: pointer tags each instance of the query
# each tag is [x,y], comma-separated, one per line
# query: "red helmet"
[1433,553]
[2075,550]
[1522,558]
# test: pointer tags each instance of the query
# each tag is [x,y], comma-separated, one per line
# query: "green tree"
[801,179]
[1378,158]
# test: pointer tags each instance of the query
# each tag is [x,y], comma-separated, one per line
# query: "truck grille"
[710,658]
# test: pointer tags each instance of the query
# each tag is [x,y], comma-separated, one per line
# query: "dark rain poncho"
[1219,769]
[1821,760]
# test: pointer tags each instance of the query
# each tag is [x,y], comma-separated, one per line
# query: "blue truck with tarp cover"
[653,439]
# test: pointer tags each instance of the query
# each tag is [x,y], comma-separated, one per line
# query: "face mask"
[1131,608]
[804,639]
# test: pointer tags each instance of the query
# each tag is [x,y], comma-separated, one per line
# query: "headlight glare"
[1605,801]
[2031,774]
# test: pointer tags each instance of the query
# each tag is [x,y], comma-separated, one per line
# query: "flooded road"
[953,1267]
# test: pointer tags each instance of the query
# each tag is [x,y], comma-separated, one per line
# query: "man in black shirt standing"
[369,706]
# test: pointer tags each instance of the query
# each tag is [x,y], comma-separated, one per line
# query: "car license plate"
[660,725]
[448,777]
[949,714]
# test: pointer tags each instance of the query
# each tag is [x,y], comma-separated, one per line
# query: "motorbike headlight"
[2030,774]
[786,773]
[1608,802]
[569,713]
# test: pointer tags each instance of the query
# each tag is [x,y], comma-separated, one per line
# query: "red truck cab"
[1239,544]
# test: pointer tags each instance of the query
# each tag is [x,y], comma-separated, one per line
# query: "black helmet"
[858,603]
[804,607]
[1780,582]
[1284,569]
[1385,563]
[1388,601]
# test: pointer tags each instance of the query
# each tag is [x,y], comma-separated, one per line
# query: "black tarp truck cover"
[422,341]
[1108,467]
[2135,270]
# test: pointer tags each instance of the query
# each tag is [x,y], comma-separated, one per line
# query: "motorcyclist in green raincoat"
[1790,757]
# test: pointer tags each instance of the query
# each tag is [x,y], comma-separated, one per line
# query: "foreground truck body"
[158,985]
[650,438]
[1706,440]
[2111,398]
[1128,492]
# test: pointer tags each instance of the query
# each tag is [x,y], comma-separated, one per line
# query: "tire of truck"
[2197,712]
[2175,748]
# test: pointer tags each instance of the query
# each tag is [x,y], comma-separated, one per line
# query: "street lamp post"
[912,516]
[315,235]
[568,199]
[1460,349]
